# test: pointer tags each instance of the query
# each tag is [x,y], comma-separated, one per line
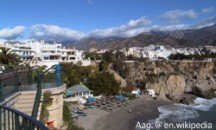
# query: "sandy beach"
[143,109]
[93,115]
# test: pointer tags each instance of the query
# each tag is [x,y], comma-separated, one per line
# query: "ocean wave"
[204,104]
[176,113]
[180,112]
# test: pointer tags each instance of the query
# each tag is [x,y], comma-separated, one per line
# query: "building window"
[46,58]
[72,58]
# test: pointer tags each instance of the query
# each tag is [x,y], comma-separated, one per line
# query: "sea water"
[203,112]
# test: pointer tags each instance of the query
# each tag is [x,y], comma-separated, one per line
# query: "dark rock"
[188,99]
[203,91]
[182,98]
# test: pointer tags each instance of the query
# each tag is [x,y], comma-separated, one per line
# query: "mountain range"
[177,38]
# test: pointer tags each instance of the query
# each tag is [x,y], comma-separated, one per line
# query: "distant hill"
[203,36]
[177,38]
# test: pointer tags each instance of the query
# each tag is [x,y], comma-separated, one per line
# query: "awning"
[69,93]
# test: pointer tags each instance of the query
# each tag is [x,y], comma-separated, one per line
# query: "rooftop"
[78,88]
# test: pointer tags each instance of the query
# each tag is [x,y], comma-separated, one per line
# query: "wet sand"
[143,110]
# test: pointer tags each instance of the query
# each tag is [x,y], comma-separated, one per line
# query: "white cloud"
[170,27]
[143,21]
[179,15]
[207,22]
[53,32]
[208,10]
[132,28]
[204,23]
[118,32]
[12,33]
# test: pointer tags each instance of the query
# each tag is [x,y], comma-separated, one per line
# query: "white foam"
[204,104]
[176,112]
[180,112]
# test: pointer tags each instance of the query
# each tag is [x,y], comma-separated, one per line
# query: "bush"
[66,113]
[47,101]
[151,78]
[103,83]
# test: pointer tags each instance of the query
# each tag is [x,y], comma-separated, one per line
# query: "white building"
[23,51]
[152,52]
[46,53]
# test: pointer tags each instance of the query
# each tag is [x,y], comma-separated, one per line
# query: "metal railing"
[33,87]
[12,119]
[23,80]
[10,82]
[37,98]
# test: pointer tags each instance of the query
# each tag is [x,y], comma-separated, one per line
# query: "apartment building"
[45,53]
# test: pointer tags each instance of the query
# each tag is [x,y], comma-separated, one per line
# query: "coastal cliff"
[180,81]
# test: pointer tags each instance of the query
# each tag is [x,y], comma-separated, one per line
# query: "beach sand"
[143,110]
[92,116]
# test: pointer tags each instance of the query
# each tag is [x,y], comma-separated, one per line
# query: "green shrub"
[66,113]
[47,101]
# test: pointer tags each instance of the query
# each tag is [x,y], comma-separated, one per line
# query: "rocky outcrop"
[203,91]
[118,78]
[180,81]
[175,84]
[172,87]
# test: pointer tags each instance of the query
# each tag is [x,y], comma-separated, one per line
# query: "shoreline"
[142,110]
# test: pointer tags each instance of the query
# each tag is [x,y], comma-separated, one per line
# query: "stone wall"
[56,109]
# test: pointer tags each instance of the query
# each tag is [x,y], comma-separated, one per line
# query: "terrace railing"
[12,119]
[11,82]
[23,80]
[37,97]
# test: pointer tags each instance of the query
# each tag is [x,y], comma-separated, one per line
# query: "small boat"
[75,115]
[82,114]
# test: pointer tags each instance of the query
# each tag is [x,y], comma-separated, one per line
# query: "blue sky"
[74,19]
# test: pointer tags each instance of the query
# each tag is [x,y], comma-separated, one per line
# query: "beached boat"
[74,115]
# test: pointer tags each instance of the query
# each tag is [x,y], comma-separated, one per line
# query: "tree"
[120,55]
[74,74]
[103,66]
[108,57]
[92,55]
[8,58]
[121,68]
[103,83]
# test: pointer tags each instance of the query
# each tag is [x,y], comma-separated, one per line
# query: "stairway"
[25,102]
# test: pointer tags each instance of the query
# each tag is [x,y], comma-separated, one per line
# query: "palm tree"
[8,58]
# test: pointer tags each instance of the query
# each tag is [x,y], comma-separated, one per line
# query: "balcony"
[13,85]
[11,118]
